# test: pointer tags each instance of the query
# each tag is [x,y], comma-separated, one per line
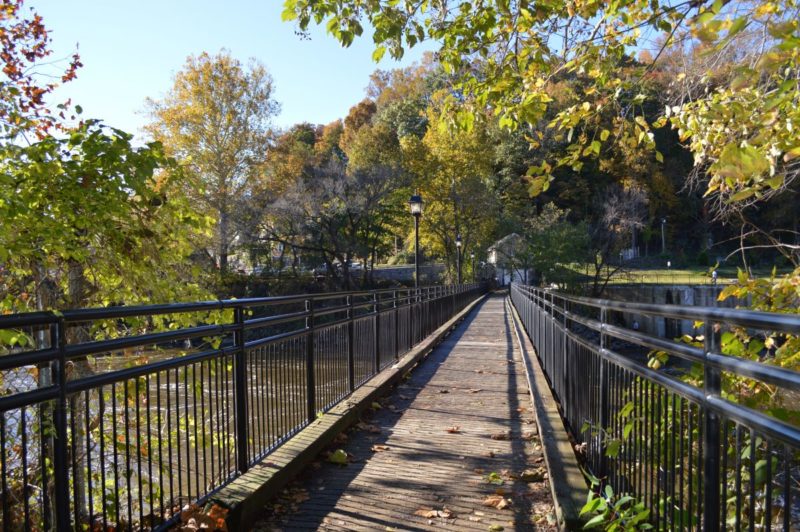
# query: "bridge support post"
[712,386]
[396,326]
[376,307]
[604,382]
[240,390]
[310,385]
[60,460]
[351,365]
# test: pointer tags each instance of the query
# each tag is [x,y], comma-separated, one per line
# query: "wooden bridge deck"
[455,446]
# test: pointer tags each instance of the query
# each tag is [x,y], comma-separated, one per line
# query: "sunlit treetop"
[741,127]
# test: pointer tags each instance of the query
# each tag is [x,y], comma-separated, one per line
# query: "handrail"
[118,417]
[644,420]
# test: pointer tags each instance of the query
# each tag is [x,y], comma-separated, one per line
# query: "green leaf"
[704,18]
[737,26]
[592,505]
[377,55]
[741,163]
[288,14]
[743,194]
[613,447]
[626,410]
[339,456]
[594,522]
[623,501]
[626,431]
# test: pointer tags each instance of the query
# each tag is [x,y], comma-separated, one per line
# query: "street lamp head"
[663,220]
[472,255]
[415,204]
[458,241]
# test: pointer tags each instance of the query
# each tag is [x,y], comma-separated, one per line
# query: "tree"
[216,120]
[556,242]
[451,171]
[334,214]
[24,44]
[88,220]
[739,81]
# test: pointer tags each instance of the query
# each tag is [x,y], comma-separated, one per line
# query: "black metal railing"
[117,417]
[705,439]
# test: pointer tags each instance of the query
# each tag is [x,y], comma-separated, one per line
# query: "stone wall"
[671,294]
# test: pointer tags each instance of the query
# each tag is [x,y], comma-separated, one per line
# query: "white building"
[509,257]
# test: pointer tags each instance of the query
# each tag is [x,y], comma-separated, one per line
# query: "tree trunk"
[46,297]
[77,295]
[224,223]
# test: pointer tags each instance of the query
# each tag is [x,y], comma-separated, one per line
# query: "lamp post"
[663,237]
[472,256]
[458,257]
[415,205]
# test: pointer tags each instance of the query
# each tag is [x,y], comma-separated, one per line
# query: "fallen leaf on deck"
[502,435]
[368,427]
[376,405]
[509,474]
[494,478]
[534,475]
[339,456]
[496,528]
[426,512]
[444,391]
[455,429]
[378,448]
[476,390]
[299,497]
[496,501]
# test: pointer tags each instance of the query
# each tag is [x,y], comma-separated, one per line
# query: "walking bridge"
[408,409]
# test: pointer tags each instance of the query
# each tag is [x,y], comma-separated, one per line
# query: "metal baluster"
[712,384]
[311,410]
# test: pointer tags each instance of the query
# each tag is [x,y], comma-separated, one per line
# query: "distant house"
[510,258]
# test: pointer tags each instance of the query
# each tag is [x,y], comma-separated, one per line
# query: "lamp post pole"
[472,256]
[415,205]
[663,237]
[416,251]
[458,257]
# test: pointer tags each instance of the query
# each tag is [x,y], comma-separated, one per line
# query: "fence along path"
[118,417]
[455,446]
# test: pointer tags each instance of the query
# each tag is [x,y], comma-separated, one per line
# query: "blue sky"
[131,50]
